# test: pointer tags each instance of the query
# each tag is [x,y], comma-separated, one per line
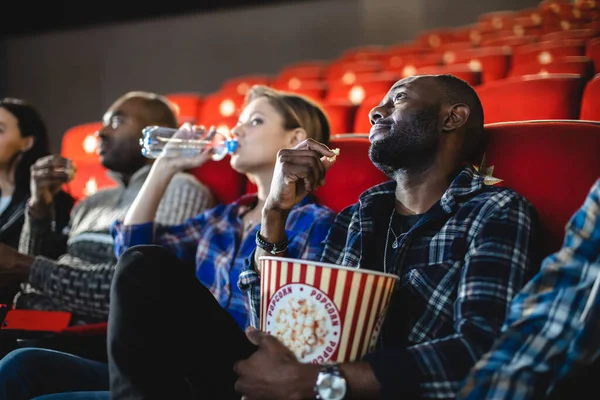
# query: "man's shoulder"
[186,180]
[492,198]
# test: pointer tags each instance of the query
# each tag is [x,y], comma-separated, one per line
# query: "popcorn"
[336,152]
[301,325]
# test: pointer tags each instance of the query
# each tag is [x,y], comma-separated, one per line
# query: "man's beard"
[410,145]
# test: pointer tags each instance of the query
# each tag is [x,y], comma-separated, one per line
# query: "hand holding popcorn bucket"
[324,313]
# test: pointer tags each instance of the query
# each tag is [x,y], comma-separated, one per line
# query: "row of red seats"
[514,99]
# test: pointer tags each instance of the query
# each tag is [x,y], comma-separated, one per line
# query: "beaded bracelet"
[273,248]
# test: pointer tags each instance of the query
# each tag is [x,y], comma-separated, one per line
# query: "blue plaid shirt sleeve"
[180,239]
[553,322]
[496,263]
[307,227]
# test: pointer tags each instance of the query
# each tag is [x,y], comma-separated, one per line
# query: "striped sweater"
[79,280]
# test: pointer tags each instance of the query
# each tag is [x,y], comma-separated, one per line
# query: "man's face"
[119,146]
[406,126]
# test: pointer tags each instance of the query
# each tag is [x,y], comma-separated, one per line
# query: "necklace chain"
[395,243]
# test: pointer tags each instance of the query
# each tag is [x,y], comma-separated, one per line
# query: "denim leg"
[31,372]
[76,396]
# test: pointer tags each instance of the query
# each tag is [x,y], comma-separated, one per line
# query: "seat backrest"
[352,173]
[462,71]
[340,116]
[579,65]
[548,96]
[349,71]
[80,143]
[219,106]
[362,122]
[187,106]
[241,84]
[226,183]
[306,70]
[357,92]
[493,62]
[590,109]
[551,163]
[584,34]
[546,52]
[593,51]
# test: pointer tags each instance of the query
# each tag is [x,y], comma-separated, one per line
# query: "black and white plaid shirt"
[460,266]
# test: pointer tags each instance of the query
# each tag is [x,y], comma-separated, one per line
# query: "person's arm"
[83,287]
[144,207]
[40,238]
[298,171]
[45,216]
[552,325]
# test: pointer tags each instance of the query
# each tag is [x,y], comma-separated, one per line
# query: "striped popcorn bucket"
[324,313]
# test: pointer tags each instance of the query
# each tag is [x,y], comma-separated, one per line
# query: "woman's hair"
[30,123]
[297,111]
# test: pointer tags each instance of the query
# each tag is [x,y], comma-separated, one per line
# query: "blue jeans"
[31,372]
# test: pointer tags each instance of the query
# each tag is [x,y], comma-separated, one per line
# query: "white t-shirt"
[4,202]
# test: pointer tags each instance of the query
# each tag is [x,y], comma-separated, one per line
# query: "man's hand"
[298,171]
[14,266]
[48,174]
[273,372]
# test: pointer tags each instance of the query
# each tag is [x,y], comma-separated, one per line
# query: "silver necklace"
[395,243]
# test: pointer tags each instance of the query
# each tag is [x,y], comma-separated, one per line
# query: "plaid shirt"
[213,241]
[460,266]
[553,325]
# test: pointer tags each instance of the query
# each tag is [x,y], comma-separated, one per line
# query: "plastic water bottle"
[159,141]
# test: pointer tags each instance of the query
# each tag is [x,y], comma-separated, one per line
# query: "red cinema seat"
[362,123]
[593,51]
[590,108]
[547,52]
[492,62]
[80,143]
[552,163]
[340,115]
[579,65]
[358,92]
[552,96]
[220,106]
[226,183]
[352,173]
[187,106]
[240,85]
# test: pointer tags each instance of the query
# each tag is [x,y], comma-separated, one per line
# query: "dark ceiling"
[25,18]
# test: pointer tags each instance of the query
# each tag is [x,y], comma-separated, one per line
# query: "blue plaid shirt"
[460,266]
[553,324]
[213,241]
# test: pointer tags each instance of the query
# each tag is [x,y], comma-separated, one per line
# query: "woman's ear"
[298,135]
[27,143]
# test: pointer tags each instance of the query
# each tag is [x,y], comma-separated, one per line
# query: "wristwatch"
[330,385]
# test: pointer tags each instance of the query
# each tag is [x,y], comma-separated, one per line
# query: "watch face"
[331,387]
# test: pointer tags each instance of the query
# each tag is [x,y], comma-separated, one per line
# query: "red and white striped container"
[323,312]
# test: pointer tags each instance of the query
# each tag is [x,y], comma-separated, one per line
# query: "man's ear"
[297,136]
[457,116]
